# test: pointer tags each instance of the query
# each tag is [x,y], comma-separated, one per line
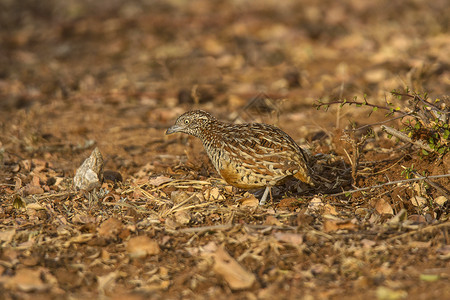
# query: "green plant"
[425,122]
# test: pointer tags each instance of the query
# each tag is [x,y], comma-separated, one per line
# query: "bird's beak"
[173,129]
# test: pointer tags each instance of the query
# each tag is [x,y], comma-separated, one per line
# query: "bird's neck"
[210,133]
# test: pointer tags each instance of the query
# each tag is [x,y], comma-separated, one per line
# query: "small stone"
[90,174]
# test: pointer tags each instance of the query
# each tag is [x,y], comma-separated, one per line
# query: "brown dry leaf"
[83,219]
[290,238]
[110,228]
[7,236]
[314,206]
[440,200]
[79,239]
[249,200]
[159,180]
[178,196]
[368,243]
[27,280]
[141,246]
[213,194]
[271,220]
[332,224]
[106,282]
[329,210]
[418,201]
[383,206]
[232,272]
[182,217]
[31,189]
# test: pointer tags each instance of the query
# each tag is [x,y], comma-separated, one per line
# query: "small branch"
[389,183]
[382,122]
[357,103]
[405,138]
[444,192]
[421,230]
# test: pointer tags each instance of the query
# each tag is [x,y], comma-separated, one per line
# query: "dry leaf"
[106,282]
[27,280]
[336,224]
[232,272]
[314,206]
[250,201]
[329,210]
[383,206]
[182,217]
[159,180]
[418,201]
[440,200]
[141,246]
[271,220]
[213,194]
[7,236]
[384,293]
[178,196]
[294,239]
[79,239]
[110,228]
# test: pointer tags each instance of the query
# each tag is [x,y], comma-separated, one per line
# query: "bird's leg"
[264,196]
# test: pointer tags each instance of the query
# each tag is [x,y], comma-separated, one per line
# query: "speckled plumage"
[247,156]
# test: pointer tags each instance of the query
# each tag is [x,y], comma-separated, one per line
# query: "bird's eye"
[186,121]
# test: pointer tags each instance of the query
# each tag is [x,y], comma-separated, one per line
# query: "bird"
[247,156]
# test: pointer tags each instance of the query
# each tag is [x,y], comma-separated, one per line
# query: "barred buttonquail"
[247,156]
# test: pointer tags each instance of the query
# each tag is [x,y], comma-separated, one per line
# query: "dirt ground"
[76,75]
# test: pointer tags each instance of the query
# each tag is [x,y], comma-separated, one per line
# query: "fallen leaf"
[159,180]
[294,239]
[418,201]
[329,210]
[314,206]
[110,228]
[141,246]
[440,200]
[271,220]
[337,224]
[26,280]
[249,201]
[231,271]
[182,217]
[7,236]
[213,194]
[383,206]
[384,293]
[106,282]
[79,239]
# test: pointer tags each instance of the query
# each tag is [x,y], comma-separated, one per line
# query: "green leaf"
[375,108]
[424,152]
[429,277]
[446,134]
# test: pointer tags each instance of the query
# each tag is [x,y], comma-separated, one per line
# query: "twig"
[389,183]
[406,138]
[205,228]
[425,229]
[382,122]
[440,189]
